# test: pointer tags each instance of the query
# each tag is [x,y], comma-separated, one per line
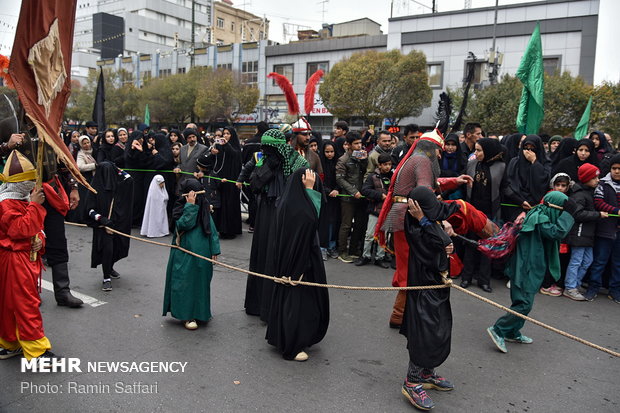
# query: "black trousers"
[56,243]
[475,264]
[354,215]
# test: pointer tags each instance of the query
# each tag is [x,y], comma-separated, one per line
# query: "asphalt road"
[359,366]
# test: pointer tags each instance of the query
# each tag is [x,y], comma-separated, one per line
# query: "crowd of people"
[360,197]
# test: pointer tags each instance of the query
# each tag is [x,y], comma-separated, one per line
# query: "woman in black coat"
[330,220]
[137,156]
[109,151]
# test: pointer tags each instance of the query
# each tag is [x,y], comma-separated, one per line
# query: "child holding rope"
[544,226]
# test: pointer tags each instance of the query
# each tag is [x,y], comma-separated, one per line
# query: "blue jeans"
[580,260]
[603,249]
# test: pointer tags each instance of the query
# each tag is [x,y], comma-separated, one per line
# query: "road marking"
[91,301]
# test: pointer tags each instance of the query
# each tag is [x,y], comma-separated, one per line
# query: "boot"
[62,293]
[399,307]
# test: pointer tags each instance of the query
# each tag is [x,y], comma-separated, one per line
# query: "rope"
[447,284]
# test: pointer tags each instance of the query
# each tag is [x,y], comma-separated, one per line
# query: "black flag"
[99,108]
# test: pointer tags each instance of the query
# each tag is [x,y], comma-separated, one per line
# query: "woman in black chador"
[110,207]
[427,321]
[299,315]
[224,162]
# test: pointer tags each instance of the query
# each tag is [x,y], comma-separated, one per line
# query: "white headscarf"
[155,221]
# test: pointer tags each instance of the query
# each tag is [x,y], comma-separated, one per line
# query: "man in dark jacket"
[581,236]
[384,143]
[410,134]
[350,171]
[607,240]
[375,190]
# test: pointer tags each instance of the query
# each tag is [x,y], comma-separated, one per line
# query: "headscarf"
[204,213]
[542,213]
[604,146]
[16,190]
[234,139]
[452,163]
[179,134]
[593,159]
[564,150]
[512,143]
[492,149]
[291,159]
[552,139]
[433,209]
[329,166]
[521,179]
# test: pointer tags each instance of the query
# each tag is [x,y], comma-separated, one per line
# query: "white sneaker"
[7,354]
[573,294]
[301,356]
[191,325]
[508,284]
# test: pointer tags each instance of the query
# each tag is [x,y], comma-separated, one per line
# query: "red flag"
[40,69]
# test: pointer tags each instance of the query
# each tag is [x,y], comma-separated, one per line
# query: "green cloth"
[291,159]
[539,243]
[584,123]
[315,197]
[531,72]
[147,116]
[187,295]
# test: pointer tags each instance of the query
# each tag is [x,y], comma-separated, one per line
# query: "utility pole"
[494,57]
[193,41]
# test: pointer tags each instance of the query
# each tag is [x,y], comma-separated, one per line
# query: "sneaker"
[573,294]
[521,340]
[47,355]
[614,299]
[344,257]
[553,291]
[361,261]
[382,264]
[354,256]
[114,275]
[301,356]
[191,325]
[107,285]
[7,354]
[332,253]
[437,383]
[508,284]
[590,295]
[417,396]
[250,230]
[324,254]
[499,341]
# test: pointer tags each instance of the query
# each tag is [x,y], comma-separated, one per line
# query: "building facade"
[232,25]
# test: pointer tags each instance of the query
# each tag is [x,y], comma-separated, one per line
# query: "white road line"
[91,301]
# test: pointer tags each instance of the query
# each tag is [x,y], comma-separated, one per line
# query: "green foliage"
[221,93]
[170,99]
[375,85]
[566,97]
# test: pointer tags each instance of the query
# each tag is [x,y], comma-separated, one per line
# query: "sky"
[304,13]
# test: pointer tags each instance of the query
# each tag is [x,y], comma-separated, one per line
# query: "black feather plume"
[469,79]
[443,113]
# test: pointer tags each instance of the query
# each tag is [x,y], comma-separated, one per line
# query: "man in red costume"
[21,235]
[418,168]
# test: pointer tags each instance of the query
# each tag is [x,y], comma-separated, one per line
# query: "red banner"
[41,69]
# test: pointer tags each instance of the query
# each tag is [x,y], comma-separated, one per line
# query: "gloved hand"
[571,207]
[106,222]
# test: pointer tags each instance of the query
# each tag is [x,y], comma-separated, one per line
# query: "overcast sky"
[304,13]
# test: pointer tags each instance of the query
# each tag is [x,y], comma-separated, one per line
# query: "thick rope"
[447,284]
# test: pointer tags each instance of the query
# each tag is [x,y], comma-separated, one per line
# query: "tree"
[220,93]
[375,85]
[171,99]
[605,114]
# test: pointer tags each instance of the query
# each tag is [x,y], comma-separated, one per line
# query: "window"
[481,72]
[181,70]
[249,73]
[165,72]
[435,75]
[285,70]
[220,23]
[225,66]
[232,27]
[314,66]
[551,64]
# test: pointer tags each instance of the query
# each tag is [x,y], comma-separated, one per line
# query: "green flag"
[147,116]
[584,123]
[531,73]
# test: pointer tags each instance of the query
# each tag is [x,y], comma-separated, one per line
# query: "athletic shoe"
[614,299]
[332,253]
[344,257]
[382,264]
[521,340]
[435,382]
[553,291]
[573,294]
[7,354]
[499,341]
[361,261]
[107,285]
[508,284]
[250,230]
[324,254]
[417,396]
[301,356]
[354,256]
[191,325]
[590,295]
[114,275]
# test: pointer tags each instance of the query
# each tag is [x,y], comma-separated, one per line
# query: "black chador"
[299,315]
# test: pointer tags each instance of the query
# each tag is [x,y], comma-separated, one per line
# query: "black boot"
[62,293]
